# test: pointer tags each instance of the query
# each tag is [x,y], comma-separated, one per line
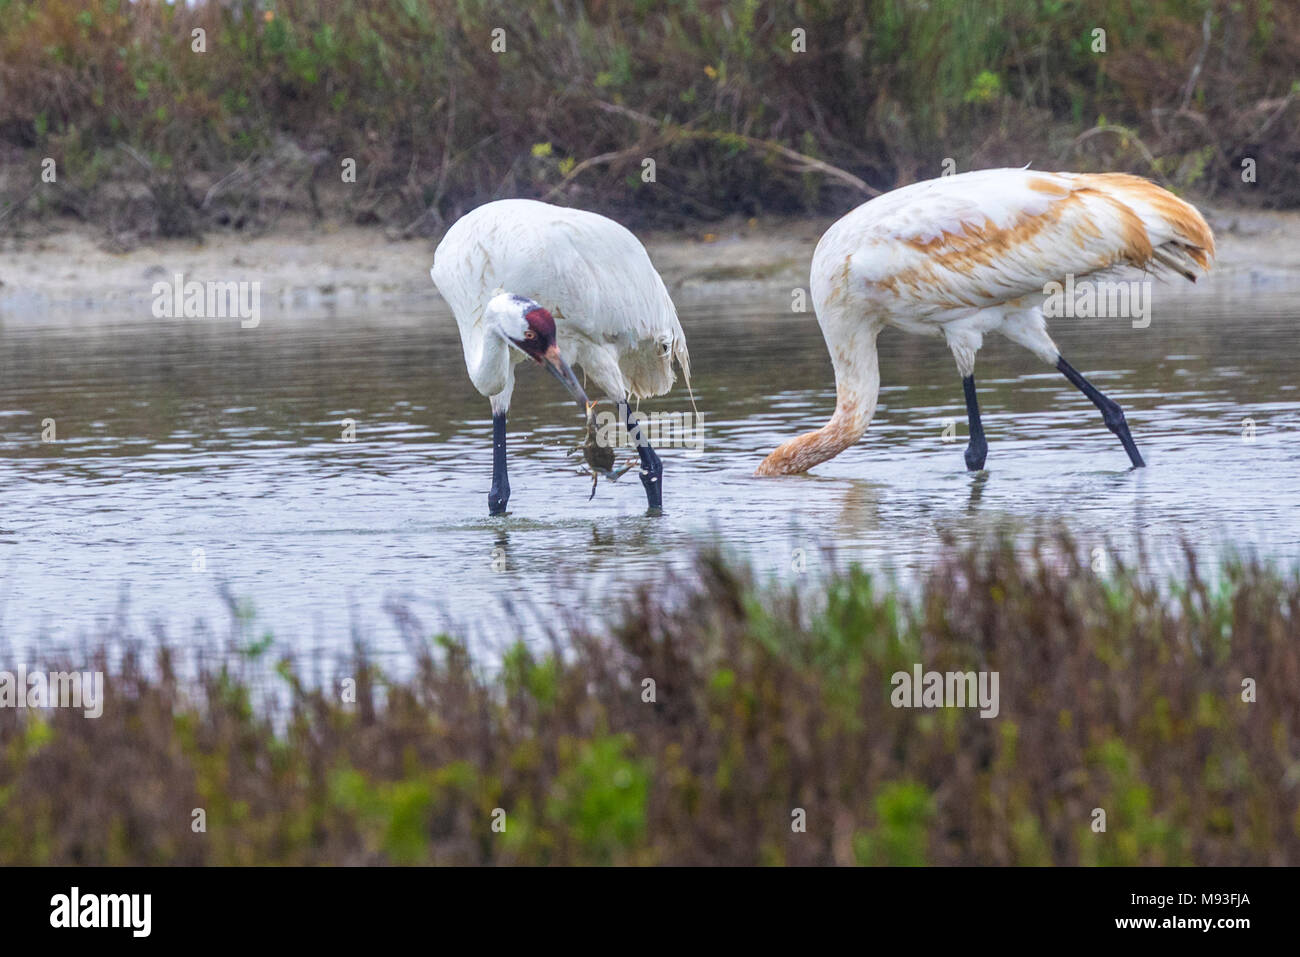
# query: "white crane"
[525,279]
[962,256]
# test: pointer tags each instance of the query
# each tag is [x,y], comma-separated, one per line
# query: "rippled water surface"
[175,436]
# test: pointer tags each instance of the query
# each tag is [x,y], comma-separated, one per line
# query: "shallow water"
[174,436]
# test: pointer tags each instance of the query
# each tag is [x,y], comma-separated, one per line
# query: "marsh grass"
[1118,692]
[153,138]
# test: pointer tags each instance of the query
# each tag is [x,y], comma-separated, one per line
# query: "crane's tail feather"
[1177,258]
[649,371]
[1179,237]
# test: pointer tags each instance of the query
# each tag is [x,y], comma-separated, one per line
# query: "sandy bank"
[315,263]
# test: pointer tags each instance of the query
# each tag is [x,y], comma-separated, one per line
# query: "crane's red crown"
[542,324]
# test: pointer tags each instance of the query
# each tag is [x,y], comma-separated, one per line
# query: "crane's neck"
[857,386]
[491,365]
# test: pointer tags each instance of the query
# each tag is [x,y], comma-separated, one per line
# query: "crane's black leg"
[977,449]
[652,470]
[1111,413]
[499,494]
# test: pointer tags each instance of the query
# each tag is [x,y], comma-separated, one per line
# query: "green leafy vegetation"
[715,719]
[440,114]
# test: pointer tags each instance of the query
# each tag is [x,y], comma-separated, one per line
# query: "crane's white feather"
[946,246]
[962,256]
[613,314]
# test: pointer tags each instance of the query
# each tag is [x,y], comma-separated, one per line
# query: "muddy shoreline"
[309,263]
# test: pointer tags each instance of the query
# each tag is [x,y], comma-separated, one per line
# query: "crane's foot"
[652,470]
[1111,413]
[652,479]
[1113,416]
[499,493]
[977,449]
[498,497]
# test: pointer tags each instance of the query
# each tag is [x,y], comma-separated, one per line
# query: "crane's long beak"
[560,369]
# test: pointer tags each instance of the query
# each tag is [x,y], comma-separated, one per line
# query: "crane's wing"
[988,237]
[590,271]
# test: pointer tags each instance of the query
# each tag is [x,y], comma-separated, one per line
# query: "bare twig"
[13,208]
[1123,131]
[217,188]
[1274,116]
[136,155]
[800,162]
[445,165]
[1190,88]
[587,164]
